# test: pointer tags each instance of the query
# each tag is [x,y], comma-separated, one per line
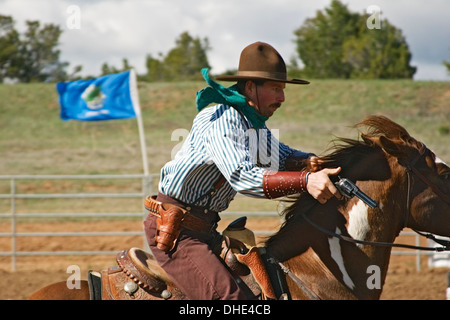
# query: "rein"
[446,244]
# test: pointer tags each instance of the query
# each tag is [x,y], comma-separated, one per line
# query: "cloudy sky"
[110,30]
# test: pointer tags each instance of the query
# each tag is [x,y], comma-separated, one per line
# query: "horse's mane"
[345,152]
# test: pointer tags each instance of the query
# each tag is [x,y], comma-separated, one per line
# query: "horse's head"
[411,187]
[425,176]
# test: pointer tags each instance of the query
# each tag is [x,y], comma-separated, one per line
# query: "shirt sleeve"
[286,152]
[277,160]
[227,143]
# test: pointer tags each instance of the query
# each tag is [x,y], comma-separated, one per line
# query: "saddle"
[137,275]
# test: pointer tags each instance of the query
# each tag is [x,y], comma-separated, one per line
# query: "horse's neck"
[336,269]
[372,226]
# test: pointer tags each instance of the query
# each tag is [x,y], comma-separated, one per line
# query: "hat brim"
[237,78]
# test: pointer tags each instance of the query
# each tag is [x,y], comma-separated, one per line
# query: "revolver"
[348,189]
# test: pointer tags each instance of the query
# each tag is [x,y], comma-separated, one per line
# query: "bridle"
[410,170]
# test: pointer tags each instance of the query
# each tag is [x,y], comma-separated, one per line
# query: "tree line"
[336,43]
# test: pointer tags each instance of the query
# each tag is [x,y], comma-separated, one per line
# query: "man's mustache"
[276,105]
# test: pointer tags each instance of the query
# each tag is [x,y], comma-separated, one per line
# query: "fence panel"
[148,187]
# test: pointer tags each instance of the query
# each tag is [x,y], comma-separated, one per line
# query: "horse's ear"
[370,141]
[390,147]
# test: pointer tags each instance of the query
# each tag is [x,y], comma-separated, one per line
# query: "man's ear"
[250,91]
[249,87]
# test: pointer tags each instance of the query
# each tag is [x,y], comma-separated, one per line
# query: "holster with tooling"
[168,227]
[171,219]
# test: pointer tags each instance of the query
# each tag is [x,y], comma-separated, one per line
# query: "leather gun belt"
[190,221]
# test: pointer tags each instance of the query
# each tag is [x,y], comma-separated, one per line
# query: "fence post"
[147,190]
[13,223]
[418,254]
[448,286]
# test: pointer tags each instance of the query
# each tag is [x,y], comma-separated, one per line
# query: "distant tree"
[32,56]
[293,68]
[9,48]
[155,69]
[320,40]
[181,63]
[381,53]
[447,65]
[107,69]
[338,44]
[74,75]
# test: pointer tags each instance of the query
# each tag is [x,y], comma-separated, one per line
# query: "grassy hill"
[33,139]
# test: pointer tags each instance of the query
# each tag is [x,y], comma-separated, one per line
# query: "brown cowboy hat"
[260,61]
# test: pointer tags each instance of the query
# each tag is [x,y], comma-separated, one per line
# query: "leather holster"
[168,227]
[171,219]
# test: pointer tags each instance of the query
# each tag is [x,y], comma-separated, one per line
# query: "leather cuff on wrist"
[278,184]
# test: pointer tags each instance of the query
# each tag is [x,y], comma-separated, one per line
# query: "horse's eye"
[445,175]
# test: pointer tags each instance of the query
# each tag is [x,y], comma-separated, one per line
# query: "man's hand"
[320,186]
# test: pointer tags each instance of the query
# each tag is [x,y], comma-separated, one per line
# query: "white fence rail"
[148,182]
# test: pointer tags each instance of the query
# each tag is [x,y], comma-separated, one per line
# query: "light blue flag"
[108,97]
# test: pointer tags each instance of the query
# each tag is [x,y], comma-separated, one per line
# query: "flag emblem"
[109,97]
[94,97]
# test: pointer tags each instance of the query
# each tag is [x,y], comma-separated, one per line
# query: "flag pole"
[137,109]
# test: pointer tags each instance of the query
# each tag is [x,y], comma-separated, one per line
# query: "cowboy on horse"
[337,250]
[229,149]
[329,246]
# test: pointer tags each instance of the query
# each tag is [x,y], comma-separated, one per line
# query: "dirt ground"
[32,273]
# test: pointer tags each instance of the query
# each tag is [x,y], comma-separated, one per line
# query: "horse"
[341,249]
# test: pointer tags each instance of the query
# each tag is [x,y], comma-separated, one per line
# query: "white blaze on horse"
[341,250]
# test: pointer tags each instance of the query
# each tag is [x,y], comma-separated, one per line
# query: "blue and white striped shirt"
[222,142]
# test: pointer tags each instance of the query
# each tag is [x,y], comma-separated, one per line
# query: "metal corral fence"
[148,188]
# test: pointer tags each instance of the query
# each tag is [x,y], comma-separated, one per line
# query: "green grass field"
[33,139]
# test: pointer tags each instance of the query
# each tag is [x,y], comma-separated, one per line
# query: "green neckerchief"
[217,93]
